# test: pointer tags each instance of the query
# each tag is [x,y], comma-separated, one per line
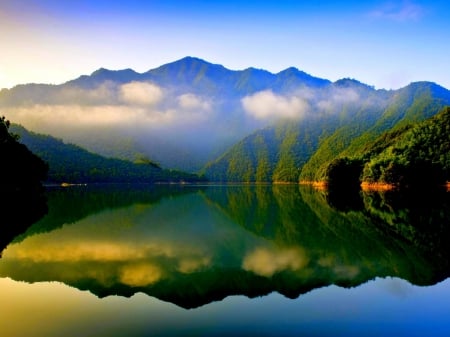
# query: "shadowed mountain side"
[22,200]
[71,163]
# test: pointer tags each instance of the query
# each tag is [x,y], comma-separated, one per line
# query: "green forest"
[20,168]
[403,142]
[385,137]
[70,163]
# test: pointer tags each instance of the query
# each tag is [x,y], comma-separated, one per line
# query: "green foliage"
[20,168]
[71,163]
[412,156]
[406,106]
[251,160]
[344,173]
[341,127]
[22,199]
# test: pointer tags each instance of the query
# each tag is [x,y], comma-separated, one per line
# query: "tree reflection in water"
[194,245]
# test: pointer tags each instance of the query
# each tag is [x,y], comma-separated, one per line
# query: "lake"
[265,260]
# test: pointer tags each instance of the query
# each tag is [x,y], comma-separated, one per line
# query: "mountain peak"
[188,62]
[103,74]
[351,82]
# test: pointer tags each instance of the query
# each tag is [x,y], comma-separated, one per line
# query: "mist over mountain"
[181,114]
[342,126]
[245,125]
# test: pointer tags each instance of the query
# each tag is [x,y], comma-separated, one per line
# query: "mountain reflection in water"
[193,245]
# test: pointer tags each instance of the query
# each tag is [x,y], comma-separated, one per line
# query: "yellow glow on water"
[189,265]
[33,305]
[266,262]
[140,275]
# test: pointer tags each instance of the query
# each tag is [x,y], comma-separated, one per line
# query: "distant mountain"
[341,127]
[72,164]
[182,114]
[233,125]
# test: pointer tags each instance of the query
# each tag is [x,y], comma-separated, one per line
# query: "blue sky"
[382,43]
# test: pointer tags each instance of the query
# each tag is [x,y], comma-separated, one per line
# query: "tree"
[344,173]
[20,168]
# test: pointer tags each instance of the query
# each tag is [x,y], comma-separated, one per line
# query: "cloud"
[398,11]
[141,93]
[266,262]
[103,94]
[193,102]
[267,105]
[336,98]
[56,119]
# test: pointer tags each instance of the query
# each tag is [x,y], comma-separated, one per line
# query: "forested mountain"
[182,114]
[232,125]
[415,155]
[22,174]
[289,152]
[73,164]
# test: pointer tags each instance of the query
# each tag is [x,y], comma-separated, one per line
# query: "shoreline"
[366,186]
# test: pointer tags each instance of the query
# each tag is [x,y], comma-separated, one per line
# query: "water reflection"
[19,209]
[194,245]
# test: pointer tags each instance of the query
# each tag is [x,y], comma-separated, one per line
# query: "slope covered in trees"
[71,163]
[304,149]
[22,200]
[182,114]
[416,155]
[411,104]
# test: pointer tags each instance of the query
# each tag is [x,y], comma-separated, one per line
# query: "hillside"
[415,156]
[22,175]
[182,114]
[73,164]
[289,152]
[231,125]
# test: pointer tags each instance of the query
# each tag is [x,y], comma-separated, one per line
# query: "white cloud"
[398,11]
[193,102]
[336,98]
[103,94]
[141,93]
[267,105]
[58,119]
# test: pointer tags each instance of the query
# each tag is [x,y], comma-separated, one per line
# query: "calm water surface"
[229,260]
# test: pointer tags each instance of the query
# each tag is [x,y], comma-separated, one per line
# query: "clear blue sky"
[382,43]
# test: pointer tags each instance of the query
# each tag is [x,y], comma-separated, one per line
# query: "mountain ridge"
[199,110]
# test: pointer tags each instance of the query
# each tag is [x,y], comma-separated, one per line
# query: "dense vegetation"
[416,155]
[73,164]
[20,168]
[307,150]
[22,201]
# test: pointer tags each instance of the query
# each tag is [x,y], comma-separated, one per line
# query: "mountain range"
[248,125]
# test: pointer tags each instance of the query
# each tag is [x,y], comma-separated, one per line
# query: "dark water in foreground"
[229,260]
